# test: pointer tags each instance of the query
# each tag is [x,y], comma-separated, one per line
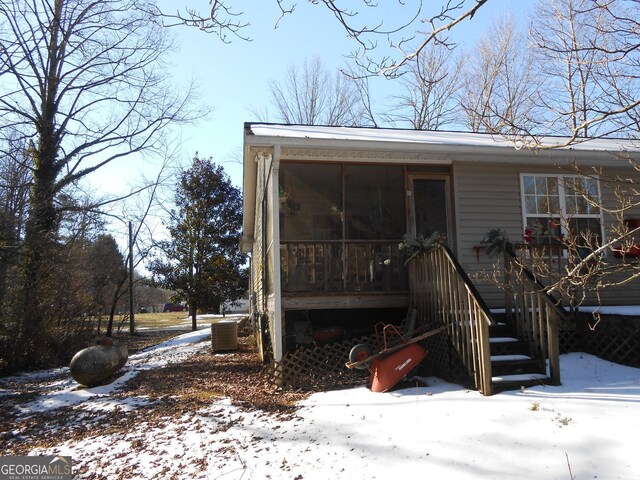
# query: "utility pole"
[132,325]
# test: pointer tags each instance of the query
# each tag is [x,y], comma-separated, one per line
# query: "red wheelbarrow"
[391,364]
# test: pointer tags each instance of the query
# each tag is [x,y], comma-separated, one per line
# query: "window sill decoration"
[496,241]
[632,251]
[540,234]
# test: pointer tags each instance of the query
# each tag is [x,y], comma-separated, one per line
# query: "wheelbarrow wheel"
[359,353]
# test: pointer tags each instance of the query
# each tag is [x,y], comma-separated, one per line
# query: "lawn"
[171,320]
[174,320]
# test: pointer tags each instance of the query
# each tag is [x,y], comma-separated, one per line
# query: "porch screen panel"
[374,202]
[310,202]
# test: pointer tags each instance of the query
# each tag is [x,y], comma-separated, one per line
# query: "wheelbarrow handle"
[386,333]
[396,347]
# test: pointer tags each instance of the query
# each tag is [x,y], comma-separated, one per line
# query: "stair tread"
[509,358]
[519,377]
[502,339]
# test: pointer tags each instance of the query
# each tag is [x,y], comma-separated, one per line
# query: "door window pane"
[430,197]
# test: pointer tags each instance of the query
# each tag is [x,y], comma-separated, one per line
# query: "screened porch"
[340,228]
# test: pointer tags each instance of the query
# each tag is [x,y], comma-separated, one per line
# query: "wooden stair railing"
[535,314]
[443,294]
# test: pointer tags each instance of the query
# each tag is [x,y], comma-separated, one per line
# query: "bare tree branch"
[360,21]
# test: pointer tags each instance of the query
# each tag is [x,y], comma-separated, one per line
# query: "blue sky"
[233,78]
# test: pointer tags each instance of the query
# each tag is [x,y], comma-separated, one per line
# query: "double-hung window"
[555,206]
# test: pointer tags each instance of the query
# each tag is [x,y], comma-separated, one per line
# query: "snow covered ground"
[587,428]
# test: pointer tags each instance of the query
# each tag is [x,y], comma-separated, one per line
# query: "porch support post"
[277,287]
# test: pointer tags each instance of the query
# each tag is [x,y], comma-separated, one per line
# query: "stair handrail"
[532,279]
[536,312]
[453,300]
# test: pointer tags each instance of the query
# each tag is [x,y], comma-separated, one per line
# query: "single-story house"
[325,209]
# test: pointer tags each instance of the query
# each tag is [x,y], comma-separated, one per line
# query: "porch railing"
[535,314]
[342,266]
[443,294]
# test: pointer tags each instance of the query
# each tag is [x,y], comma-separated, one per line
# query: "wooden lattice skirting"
[320,366]
[323,367]
[444,362]
[615,338]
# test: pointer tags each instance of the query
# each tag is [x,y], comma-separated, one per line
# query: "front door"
[430,206]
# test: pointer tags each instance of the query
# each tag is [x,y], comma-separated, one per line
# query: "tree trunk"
[41,227]
[114,304]
[40,248]
[193,313]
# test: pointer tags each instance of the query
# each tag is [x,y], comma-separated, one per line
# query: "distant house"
[326,207]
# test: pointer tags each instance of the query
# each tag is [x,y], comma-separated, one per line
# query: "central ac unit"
[224,335]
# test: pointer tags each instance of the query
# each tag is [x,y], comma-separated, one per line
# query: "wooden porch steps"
[516,382]
[512,366]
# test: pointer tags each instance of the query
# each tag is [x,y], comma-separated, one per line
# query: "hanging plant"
[496,242]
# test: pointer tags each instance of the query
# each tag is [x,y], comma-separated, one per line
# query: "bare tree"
[498,88]
[586,54]
[361,20]
[82,80]
[578,78]
[427,101]
[311,95]
[563,34]
[621,23]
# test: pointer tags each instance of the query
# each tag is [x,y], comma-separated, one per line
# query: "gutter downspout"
[277,287]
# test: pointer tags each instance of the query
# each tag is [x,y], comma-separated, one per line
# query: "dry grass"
[169,320]
[157,320]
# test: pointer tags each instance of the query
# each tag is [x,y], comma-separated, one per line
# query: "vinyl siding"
[487,196]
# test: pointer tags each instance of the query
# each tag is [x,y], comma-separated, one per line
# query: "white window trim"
[562,202]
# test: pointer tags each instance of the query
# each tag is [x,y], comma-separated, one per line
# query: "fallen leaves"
[172,393]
